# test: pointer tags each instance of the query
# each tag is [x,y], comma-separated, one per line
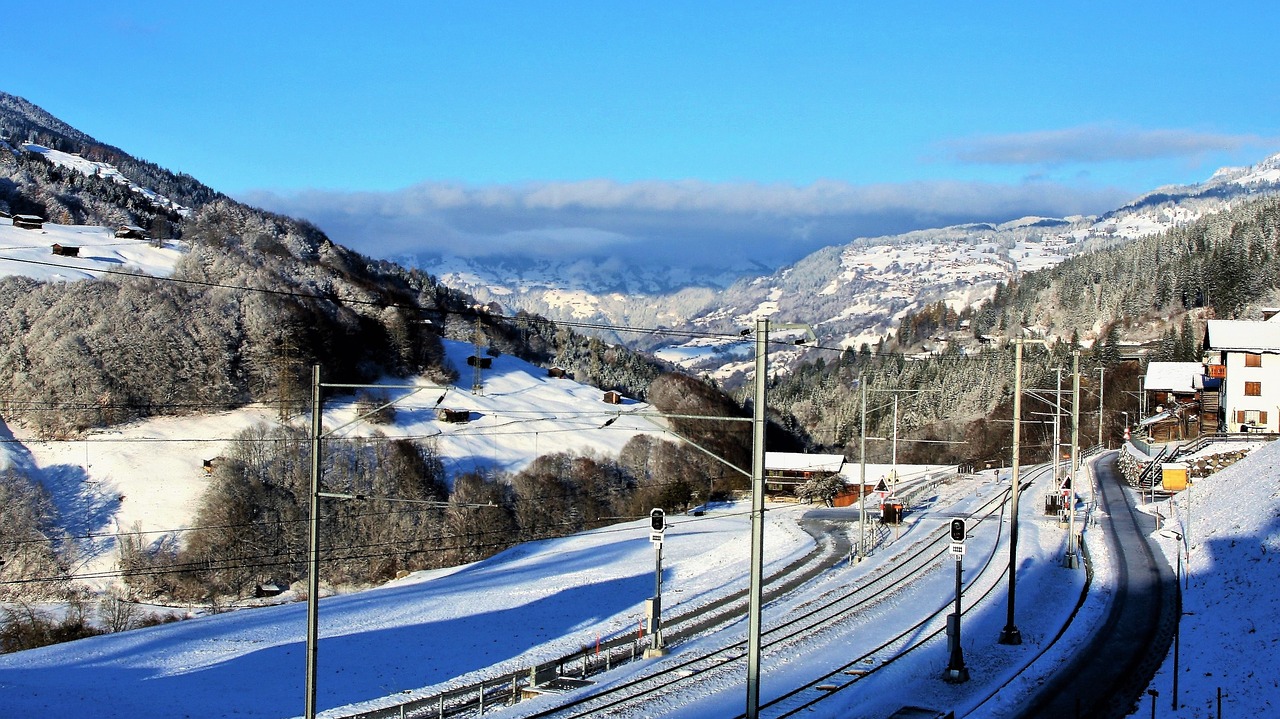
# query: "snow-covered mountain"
[852,294]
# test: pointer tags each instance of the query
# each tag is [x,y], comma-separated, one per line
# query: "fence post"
[481,698]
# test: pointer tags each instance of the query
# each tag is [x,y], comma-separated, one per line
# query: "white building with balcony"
[1246,355]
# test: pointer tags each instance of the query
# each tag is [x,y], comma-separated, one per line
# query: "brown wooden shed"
[454,416]
[28,222]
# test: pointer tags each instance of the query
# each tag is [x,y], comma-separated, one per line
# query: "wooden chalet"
[1185,401]
[481,362]
[66,250]
[785,471]
[28,222]
[269,589]
[131,232]
[612,397]
[558,373]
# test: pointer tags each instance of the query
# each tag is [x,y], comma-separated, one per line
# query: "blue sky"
[892,114]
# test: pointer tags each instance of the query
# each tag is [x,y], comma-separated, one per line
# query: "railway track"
[679,625]
[827,612]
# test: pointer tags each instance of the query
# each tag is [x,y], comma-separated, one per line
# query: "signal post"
[956,672]
[657,528]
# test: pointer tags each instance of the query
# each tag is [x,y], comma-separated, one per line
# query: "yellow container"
[1173,476]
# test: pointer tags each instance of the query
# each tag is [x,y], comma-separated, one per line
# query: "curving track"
[829,612]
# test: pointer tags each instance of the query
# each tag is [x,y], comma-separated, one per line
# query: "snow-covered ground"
[104,170]
[150,474]
[29,253]
[1227,529]
[451,627]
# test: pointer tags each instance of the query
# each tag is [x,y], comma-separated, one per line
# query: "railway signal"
[956,671]
[657,527]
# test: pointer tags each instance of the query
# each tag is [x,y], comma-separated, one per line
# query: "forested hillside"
[954,405]
[254,302]
[1227,263]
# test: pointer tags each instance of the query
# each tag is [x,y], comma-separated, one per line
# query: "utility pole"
[1010,634]
[1101,388]
[1071,560]
[1057,432]
[313,547]
[756,590]
[477,383]
[893,473]
[862,490]
[313,541]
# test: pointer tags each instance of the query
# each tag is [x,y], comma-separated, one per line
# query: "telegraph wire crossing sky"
[605,124]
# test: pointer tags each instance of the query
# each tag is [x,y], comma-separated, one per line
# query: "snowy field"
[448,628]
[150,473]
[29,253]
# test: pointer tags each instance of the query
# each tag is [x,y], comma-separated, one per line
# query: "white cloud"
[685,223]
[1095,143]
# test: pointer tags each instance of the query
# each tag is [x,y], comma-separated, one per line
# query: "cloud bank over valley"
[684,223]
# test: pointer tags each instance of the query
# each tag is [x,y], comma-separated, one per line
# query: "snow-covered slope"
[150,474]
[1227,528]
[101,169]
[29,253]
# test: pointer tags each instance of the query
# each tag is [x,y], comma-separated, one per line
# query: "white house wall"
[1234,399]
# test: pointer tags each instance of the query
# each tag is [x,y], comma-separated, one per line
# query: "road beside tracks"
[1107,676]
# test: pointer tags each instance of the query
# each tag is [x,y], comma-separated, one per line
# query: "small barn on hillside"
[454,416]
[131,232]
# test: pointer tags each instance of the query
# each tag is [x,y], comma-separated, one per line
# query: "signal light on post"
[957,530]
[658,520]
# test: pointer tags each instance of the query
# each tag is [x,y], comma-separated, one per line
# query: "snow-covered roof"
[1172,376]
[1243,336]
[797,462]
[1158,417]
